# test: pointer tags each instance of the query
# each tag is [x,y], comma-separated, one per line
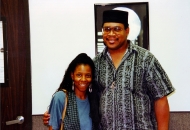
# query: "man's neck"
[120,50]
[117,55]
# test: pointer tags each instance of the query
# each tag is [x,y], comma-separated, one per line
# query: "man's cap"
[116,16]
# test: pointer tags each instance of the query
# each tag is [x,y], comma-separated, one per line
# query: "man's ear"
[127,30]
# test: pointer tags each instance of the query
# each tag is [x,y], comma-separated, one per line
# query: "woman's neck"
[81,95]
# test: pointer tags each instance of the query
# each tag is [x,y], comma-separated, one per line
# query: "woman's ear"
[71,75]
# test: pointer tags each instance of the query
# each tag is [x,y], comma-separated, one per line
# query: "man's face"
[114,35]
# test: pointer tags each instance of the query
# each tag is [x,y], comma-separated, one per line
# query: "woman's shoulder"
[59,95]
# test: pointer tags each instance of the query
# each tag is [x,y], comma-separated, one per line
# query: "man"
[135,85]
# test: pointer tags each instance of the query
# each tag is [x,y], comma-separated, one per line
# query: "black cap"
[116,16]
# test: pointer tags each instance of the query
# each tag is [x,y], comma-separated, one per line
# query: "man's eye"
[117,29]
[107,29]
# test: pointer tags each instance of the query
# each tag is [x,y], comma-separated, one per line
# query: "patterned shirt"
[127,101]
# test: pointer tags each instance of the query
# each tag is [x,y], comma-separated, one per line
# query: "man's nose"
[111,32]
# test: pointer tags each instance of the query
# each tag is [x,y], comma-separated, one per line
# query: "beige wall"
[61,29]
[178,121]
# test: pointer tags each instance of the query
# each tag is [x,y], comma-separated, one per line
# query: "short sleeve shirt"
[56,108]
[130,90]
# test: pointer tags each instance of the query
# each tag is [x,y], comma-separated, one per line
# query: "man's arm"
[162,113]
[46,118]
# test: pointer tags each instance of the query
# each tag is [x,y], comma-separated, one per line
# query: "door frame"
[16,96]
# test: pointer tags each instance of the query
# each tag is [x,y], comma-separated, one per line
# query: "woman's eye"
[78,75]
[88,76]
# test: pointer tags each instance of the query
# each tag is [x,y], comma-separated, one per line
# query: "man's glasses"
[115,29]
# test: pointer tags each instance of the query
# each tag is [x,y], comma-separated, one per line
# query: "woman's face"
[82,77]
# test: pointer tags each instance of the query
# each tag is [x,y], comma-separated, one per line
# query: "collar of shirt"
[130,49]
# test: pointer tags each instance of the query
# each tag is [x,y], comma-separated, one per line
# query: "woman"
[82,111]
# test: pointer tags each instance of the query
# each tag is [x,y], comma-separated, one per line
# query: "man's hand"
[46,118]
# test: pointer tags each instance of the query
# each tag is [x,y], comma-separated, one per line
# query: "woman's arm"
[56,109]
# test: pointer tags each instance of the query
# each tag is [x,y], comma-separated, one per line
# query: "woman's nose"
[83,78]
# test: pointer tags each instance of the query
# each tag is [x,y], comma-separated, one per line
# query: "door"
[15,96]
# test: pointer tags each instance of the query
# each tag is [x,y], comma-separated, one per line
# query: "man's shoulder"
[140,50]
